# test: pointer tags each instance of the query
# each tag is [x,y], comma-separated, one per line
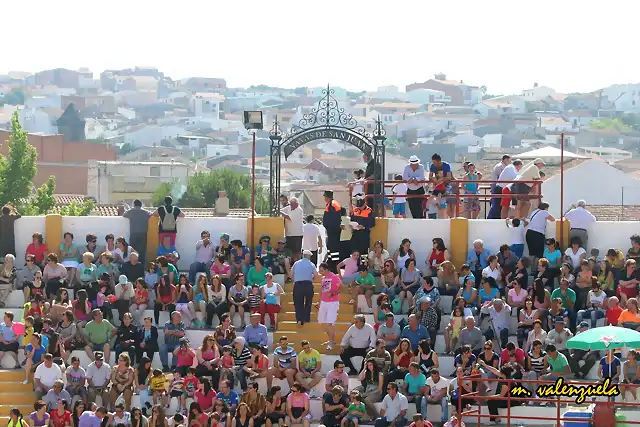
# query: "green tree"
[18,168]
[610,124]
[201,191]
[78,208]
[126,148]
[15,97]
[43,201]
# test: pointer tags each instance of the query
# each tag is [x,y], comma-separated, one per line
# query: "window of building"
[154,171]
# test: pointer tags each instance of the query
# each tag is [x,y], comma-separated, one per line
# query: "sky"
[569,45]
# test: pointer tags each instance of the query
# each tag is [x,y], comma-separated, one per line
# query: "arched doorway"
[325,121]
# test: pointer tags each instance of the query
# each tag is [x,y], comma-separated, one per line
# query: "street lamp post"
[275,135]
[379,136]
[253,121]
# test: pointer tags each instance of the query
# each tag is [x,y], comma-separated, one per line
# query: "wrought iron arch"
[327,120]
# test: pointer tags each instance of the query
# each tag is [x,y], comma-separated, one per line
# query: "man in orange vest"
[364,216]
[331,223]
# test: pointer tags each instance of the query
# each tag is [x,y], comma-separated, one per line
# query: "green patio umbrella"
[605,338]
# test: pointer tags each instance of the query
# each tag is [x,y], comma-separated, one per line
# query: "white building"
[114,181]
[35,120]
[594,181]
[207,104]
[537,93]
[148,135]
[510,104]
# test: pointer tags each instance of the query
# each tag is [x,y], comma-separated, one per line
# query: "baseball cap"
[559,319]
[307,252]
[583,325]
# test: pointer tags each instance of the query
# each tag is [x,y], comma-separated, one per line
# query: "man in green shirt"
[98,333]
[558,365]
[364,284]
[568,297]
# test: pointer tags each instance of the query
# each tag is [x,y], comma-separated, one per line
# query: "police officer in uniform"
[366,219]
[331,223]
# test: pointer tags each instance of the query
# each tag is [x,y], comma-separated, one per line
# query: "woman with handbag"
[271,293]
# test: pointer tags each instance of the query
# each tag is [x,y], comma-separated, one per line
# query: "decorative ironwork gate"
[325,121]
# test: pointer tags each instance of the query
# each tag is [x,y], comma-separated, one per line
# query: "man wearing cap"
[331,222]
[303,272]
[580,220]
[558,337]
[497,170]
[293,215]
[372,174]
[427,316]
[413,174]
[508,175]
[364,216]
[255,332]
[500,314]
[529,172]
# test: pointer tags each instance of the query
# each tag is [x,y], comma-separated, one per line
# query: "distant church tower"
[71,125]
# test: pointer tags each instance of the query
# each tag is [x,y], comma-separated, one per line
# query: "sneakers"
[25,382]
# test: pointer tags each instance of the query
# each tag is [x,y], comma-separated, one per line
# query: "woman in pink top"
[350,266]
[329,302]
[220,268]
[54,275]
[298,406]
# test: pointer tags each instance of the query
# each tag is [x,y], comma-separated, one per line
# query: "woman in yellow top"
[16,420]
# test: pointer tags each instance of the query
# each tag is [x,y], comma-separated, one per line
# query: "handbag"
[271,299]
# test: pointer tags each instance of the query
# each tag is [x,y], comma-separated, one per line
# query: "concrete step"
[290,316]
[288,297]
[309,327]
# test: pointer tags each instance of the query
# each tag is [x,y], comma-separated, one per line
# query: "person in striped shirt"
[285,361]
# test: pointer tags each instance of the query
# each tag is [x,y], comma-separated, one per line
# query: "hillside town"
[116,135]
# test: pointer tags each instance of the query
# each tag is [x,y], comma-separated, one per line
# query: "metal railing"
[459,195]
[558,401]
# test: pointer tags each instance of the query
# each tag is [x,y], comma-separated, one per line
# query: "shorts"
[520,188]
[177,393]
[399,208]
[505,202]
[97,347]
[297,412]
[281,375]
[471,205]
[352,417]
[294,244]
[629,292]
[328,312]
[432,215]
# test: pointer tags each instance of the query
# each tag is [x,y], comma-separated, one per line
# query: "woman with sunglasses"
[297,407]
[208,356]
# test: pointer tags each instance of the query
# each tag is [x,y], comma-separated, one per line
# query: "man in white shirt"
[508,175]
[357,341]
[47,373]
[494,211]
[413,174]
[312,238]
[529,172]
[500,314]
[98,377]
[394,408]
[293,227]
[436,393]
[580,219]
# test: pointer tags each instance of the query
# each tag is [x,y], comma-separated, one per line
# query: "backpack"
[168,223]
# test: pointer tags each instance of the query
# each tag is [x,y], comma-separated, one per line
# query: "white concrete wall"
[23,230]
[495,233]
[420,232]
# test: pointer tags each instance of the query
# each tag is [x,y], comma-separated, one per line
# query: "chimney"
[535,85]
[315,153]
[222,204]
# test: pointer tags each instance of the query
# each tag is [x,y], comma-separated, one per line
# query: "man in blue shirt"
[9,338]
[228,396]
[304,271]
[478,259]
[415,333]
[174,331]
[256,333]
[91,418]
